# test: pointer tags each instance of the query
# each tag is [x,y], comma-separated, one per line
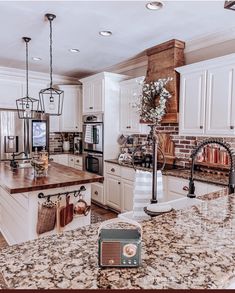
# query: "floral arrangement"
[147,107]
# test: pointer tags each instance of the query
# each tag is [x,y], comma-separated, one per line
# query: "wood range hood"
[162,61]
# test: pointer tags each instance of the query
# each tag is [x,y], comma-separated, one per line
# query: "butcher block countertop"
[184,249]
[22,180]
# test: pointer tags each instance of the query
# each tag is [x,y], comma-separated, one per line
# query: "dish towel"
[143,191]
[89,134]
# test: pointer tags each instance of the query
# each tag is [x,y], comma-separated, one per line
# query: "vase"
[66,145]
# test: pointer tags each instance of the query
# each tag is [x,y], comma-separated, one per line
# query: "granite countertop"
[218,179]
[190,248]
[22,180]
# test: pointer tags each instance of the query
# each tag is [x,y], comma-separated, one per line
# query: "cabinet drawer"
[113,169]
[97,192]
[71,161]
[128,173]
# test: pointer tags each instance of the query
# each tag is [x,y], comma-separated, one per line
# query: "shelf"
[212,165]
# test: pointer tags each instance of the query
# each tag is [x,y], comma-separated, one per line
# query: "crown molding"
[35,75]
[210,40]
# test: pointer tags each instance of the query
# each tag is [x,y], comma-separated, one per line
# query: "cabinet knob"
[76,127]
[90,107]
[77,161]
[112,170]
[201,127]
[119,182]
[231,127]
[185,188]
[96,193]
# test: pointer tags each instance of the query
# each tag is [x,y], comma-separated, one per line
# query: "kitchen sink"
[24,165]
[176,204]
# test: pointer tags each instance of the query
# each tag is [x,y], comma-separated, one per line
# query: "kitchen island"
[19,191]
[189,248]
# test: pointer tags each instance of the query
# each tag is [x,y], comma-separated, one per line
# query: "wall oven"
[93,133]
[93,162]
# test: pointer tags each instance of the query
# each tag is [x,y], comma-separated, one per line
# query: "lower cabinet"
[68,160]
[127,195]
[97,193]
[119,187]
[113,192]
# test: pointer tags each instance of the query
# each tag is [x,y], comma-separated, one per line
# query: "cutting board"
[66,213]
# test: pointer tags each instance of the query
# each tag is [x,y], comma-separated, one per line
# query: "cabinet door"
[113,192]
[220,116]
[87,97]
[70,117]
[129,115]
[97,95]
[192,103]
[54,123]
[10,91]
[127,195]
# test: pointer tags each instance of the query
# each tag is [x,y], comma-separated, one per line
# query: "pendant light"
[27,106]
[51,99]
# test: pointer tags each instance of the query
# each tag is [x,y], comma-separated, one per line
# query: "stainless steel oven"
[93,133]
[93,162]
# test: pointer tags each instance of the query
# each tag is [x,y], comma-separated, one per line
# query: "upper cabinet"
[93,92]
[130,91]
[71,118]
[10,91]
[207,97]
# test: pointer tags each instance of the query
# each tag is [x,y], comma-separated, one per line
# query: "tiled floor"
[97,215]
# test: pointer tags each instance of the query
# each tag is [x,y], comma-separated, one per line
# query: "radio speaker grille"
[110,253]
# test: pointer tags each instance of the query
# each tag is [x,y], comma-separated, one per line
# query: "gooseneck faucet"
[231,183]
[13,163]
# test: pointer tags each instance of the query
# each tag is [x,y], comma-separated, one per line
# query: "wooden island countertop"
[22,180]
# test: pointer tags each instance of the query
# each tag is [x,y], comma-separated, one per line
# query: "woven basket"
[46,218]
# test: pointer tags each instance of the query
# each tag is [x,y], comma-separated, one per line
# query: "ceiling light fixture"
[105,33]
[26,106]
[154,5]
[51,99]
[229,5]
[74,50]
[36,58]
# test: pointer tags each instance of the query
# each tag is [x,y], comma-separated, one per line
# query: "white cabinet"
[127,195]
[97,193]
[221,100]
[119,187]
[68,160]
[93,95]
[10,91]
[62,159]
[207,97]
[130,91]
[192,102]
[71,118]
[113,192]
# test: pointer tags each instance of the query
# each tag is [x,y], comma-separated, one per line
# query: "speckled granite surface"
[191,248]
[183,173]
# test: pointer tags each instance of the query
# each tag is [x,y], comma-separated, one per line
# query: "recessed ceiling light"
[73,50]
[36,58]
[105,33]
[154,5]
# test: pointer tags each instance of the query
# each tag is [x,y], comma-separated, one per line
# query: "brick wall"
[56,140]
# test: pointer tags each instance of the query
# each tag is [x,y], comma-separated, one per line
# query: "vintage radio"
[119,247]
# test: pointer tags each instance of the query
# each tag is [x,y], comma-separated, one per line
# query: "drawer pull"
[185,188]
[96,193]
[201,127]
[77,161]
[231,127]
[119,182]
[112,170]
[90,107]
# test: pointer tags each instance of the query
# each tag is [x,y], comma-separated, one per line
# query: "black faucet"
[231,183]
[13,163]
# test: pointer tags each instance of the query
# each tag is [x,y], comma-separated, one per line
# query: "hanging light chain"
[50,53]
[27,69]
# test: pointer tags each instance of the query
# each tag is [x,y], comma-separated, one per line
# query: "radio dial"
[129,250]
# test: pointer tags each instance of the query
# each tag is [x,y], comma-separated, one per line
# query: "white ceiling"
[78,22]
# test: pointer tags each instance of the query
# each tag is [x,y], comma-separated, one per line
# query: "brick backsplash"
[183,144]
[56,140]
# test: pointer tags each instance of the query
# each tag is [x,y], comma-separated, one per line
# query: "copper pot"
[223,157]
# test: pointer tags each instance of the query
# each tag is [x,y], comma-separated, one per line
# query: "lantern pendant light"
[27,106]
[51,99]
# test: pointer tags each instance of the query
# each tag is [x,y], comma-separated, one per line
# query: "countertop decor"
[184,249]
